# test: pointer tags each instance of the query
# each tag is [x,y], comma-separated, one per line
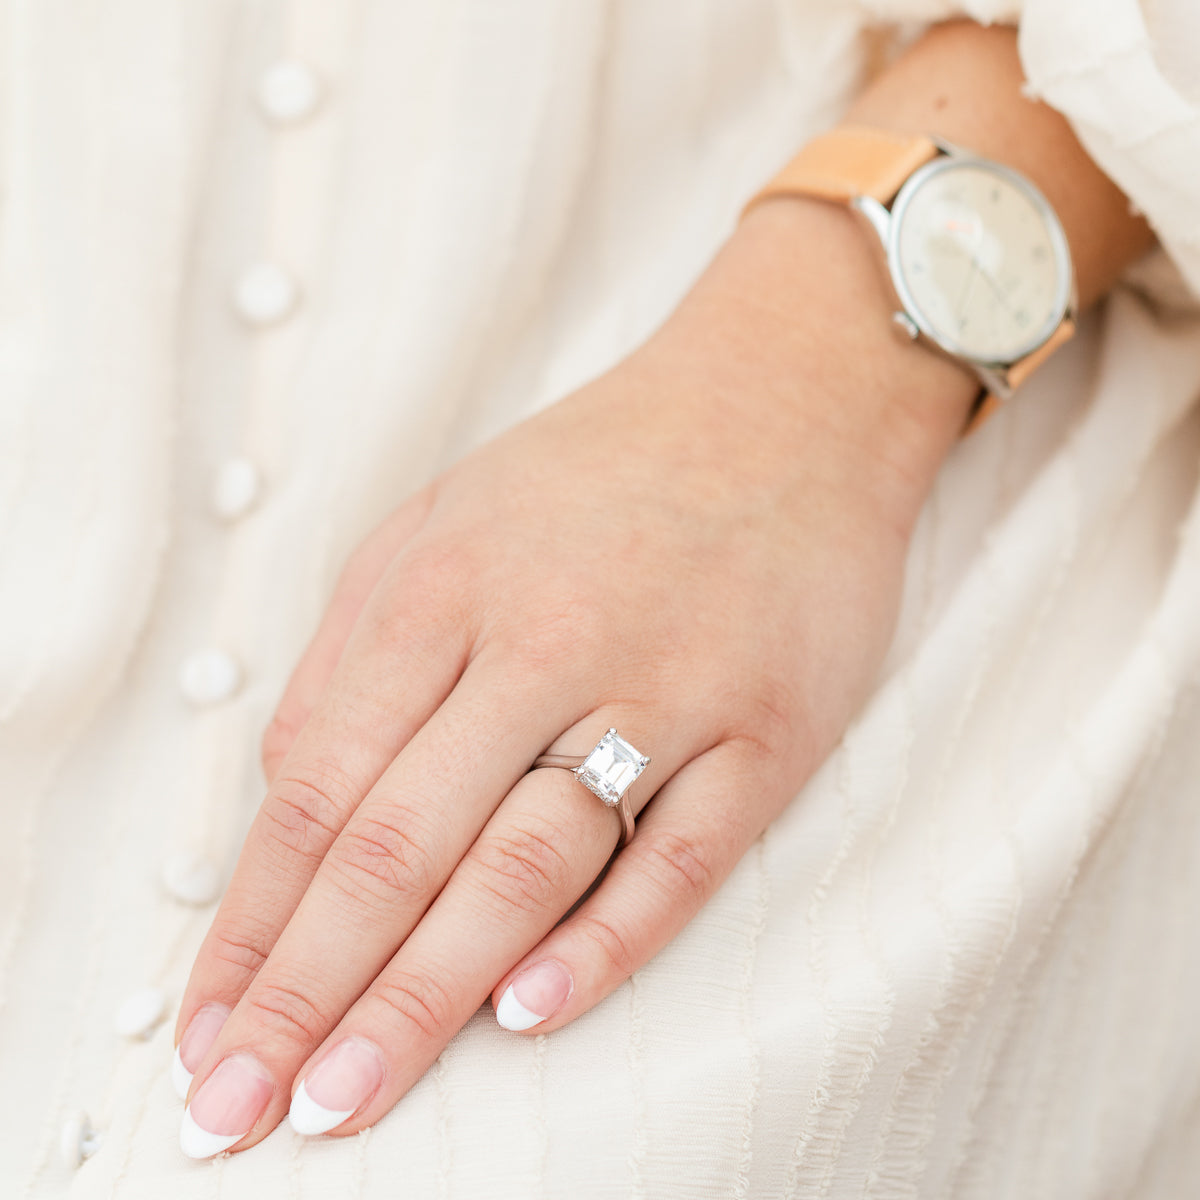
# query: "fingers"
[521,870]
[541,850]
[380,874]
[316,666]
[688,841]
[395,672]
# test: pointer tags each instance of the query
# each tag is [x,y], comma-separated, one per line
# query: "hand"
[687,549]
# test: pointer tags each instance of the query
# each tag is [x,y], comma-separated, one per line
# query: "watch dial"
[983,267]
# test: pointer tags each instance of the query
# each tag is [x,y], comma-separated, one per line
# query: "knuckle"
[773,732]
[304,813]
[569,625]
[677,862]
[441,564]
[287,1013]
[614,945]
[431,583]
[524,867]
[773,716]
[418,1001]
[243,950]
[384,858]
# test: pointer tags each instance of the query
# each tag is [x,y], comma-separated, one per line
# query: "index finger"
[355,584]
[403,658]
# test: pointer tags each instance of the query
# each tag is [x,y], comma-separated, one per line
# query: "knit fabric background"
[962,964]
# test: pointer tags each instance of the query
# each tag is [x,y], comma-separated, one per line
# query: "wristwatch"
[979,264]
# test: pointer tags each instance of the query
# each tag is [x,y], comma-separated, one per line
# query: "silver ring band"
[606,771]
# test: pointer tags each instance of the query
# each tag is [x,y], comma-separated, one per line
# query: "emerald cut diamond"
[611,767]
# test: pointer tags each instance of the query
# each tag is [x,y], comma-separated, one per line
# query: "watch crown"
[905,324]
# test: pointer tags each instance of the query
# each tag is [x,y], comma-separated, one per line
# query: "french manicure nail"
[226,1107]
[340,1084]
[535,995]
[200,1034]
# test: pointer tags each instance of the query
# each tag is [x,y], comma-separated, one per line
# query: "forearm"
[797,296]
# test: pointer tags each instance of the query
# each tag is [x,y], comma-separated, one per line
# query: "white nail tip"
[181,1077]
[309,1117]
[512,1014]
[199,1143]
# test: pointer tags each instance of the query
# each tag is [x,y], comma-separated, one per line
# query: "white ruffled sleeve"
[1126,75]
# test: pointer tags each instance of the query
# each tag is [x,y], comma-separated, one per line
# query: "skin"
[755,470]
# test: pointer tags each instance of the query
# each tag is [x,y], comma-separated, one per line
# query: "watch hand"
[966,292]
[972,271]
[995,286]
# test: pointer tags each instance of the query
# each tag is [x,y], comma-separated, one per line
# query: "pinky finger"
[684,846]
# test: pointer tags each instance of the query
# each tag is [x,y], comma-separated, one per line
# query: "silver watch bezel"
[1064,300]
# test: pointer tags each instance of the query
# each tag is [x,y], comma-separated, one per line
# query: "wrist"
[794,311]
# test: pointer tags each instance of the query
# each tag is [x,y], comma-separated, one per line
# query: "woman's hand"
[702,548]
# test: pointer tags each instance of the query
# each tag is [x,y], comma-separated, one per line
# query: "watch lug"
[951,148]
[995,379]
[874,214]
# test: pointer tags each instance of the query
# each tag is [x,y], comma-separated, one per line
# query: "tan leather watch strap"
[1022,369]
[850,161]
[985,404]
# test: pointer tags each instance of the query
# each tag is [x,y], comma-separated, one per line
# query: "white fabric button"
[264,293]
[209,676]
[191,878]
[138,1015]
[288,92]
[235,488]
[78,1140]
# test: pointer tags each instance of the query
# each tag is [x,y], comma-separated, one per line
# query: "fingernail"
[200,1034]
[535,995]
[226,1107]
[340,1084]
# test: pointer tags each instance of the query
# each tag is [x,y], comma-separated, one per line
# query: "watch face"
[979,259]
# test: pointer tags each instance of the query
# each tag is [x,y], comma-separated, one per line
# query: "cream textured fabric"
[962,964]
